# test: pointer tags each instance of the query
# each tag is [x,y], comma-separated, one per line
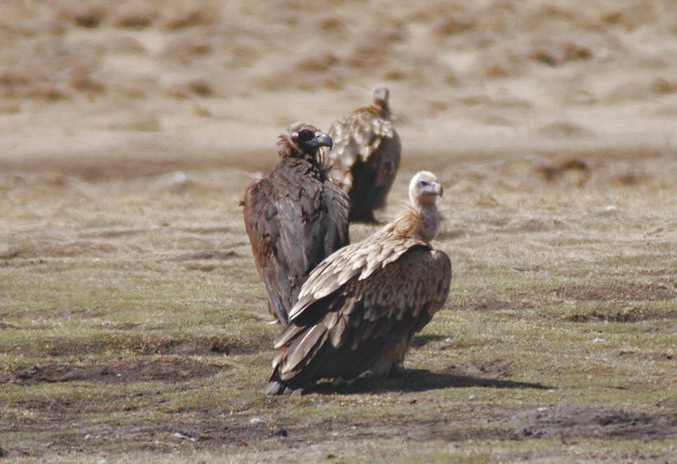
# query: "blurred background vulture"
[366,156]
[360,308]
[295,217]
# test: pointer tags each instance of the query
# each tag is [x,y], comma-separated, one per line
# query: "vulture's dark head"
[303,141]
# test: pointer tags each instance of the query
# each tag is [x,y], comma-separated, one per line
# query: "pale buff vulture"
[359,309]
[295,217]
[366,156]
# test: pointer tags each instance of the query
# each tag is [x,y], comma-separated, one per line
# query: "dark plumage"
[295,217]
[366,156]
[360,308]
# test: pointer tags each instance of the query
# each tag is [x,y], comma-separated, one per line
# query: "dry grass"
[557,299]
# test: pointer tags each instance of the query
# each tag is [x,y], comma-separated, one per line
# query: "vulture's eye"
[424,183]
[306,135]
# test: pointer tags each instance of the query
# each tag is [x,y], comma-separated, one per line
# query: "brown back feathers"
[366,156]
[295,217]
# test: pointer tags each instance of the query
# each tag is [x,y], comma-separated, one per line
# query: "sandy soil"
[194,80]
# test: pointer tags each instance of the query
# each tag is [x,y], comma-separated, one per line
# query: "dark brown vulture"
[359,309]
[295,217]
[366,156]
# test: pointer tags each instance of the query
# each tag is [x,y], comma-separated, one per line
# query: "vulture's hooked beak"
[434,189]
[320,140]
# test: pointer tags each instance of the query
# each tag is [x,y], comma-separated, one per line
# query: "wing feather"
[359,260]
[294,220]
[366,321]
[308,346]
[356,138]
[262,224]
[365,159]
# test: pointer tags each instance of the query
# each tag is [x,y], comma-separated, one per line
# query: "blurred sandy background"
[198,80]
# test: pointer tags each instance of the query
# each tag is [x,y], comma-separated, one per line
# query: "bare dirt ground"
[132,321]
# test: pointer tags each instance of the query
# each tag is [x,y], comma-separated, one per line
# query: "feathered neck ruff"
[288,149]
[420,223]
[383,109]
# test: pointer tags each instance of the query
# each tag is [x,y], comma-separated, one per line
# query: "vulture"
[295,217]
[366,155]
[360,308]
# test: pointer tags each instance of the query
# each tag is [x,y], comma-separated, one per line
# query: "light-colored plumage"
[295,217]
[366,156]
[360,307]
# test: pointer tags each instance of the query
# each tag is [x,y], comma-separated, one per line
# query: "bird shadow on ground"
[422,340]
[419,380]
